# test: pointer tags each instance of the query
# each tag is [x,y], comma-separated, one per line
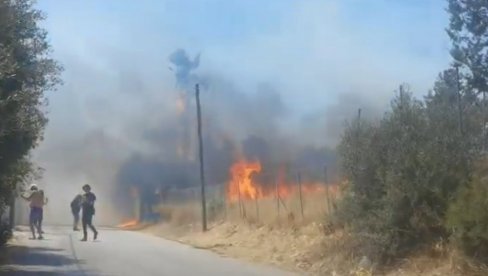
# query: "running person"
[36,200]
[88,211]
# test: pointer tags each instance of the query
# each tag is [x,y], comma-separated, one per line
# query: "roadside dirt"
[282,248]
[306,250]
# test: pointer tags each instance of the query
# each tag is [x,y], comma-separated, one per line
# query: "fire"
[242,186]
[129,223]
[280,186]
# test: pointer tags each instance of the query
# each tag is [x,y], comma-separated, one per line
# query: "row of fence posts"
[202,175]
[279,200]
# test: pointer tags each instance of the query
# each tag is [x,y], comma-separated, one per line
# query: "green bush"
[412,175]
[403,170]
[468,215]
[27,71]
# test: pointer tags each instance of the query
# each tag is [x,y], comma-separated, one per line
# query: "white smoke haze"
[285,86]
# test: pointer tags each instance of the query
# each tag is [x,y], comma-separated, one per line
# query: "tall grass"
[287,211]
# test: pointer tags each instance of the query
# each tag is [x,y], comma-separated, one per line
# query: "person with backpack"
[88,211]
[75,211]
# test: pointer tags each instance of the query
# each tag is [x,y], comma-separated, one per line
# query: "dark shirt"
[76,203]
[88,203]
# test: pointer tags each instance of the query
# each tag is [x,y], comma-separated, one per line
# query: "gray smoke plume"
[116,121]
[131,137]
[183,67]
[236,124]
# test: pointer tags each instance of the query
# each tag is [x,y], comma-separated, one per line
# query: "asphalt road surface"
[116,253]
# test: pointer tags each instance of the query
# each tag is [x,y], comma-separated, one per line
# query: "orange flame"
[129,223]
[242,186]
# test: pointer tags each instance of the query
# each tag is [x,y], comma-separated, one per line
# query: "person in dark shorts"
[36,203]
[88,211]
[75,210]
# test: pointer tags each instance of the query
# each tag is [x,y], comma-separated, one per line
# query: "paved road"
[117,253]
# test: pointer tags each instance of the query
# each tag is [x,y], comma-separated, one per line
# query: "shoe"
[95,236]
[76,229]
[40,238]
[83,240]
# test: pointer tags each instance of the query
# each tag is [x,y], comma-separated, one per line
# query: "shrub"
[403,171]
[468,216]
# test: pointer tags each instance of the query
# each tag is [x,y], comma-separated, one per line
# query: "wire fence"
[298,199]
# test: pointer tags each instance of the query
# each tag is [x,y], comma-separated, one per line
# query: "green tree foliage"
[26,72]
[388,202]
[468,31]
[468,216]
[420,172]
[454,138]
[405,169]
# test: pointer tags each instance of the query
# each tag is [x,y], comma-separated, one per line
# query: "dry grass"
[285,212]
[260,244]
[180,214]
[265,211]
[260,231]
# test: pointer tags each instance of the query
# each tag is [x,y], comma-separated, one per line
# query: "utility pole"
[200,144]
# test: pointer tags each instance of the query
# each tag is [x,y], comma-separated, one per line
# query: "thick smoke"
[144,136]
[237,125]
[120,108]
[183,67]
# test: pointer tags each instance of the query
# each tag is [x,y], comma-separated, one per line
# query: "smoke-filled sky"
[302,67]
[312,50]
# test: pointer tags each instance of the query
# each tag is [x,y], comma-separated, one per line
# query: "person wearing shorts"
[36,203]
